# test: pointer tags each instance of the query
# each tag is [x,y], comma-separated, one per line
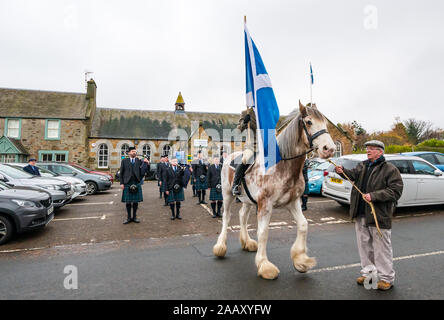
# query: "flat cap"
[32,159]
[375,143]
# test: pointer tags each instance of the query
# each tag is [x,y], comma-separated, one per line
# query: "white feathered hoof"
[250,245]
[268,271]
[302,263]
[219,250]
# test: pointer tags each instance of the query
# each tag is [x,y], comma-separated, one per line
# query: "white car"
[423,182]
[78,187]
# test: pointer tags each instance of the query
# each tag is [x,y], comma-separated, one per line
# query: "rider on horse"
[247,117]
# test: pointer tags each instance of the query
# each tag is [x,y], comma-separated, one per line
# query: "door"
[430,187]
[409,180]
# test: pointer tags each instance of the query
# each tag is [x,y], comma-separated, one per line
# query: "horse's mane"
[290,132]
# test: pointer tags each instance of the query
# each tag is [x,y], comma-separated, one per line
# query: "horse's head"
[316,134]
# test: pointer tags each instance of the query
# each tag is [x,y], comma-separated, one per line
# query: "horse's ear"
[302,109]
[314,106]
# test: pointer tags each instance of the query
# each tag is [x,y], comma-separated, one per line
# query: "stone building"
[47,125]
[61,126]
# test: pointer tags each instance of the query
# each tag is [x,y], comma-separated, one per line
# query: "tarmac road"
[135,264]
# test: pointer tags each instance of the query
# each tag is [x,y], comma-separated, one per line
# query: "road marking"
[91,203]
[206,208]
[82,218]
[327,219]
[354,265]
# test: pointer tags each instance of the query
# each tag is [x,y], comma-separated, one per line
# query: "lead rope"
[369,202]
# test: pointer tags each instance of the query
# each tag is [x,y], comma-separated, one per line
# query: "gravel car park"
[23,210]
[423,182]
[60,191]
[78,186]
[94,182]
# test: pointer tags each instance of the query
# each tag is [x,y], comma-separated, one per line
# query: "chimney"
[91,89]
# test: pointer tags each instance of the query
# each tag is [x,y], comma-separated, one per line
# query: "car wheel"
[6,230]
[156,177]
[91,187]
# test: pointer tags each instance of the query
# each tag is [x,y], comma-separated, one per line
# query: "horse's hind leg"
[220,248]
[301,261]
[247,243]
[265,268]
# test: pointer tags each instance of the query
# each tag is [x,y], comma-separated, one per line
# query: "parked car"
[86,170]
[78,186]
[94,182]
[60,191]
[423,182]
[316,177]
[435,158]
[23,210]
[314,162]
[151,174]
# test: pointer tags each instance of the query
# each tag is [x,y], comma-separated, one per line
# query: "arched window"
[146,150]
[103,156]
[167,150]
[338,152]
[124,150]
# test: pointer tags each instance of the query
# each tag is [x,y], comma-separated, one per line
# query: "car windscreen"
[346,163]
[14,173]
[323,166]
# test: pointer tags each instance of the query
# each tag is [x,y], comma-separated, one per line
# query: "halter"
[310,138]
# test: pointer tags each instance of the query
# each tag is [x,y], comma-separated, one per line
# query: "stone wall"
[73,138]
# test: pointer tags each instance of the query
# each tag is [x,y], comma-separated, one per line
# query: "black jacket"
[28,169]
[199,169]
[160,167]
[214,176]
[127,169]
[170,178]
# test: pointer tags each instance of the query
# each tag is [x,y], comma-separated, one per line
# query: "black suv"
[23,209]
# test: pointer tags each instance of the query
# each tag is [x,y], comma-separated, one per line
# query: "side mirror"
[74,173]
[3,178]
[437,173]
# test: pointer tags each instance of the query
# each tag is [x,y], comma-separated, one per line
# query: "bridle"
[310,138]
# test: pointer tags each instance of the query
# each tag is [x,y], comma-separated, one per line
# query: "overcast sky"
[372,60]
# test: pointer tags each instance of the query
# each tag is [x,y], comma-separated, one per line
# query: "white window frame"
[105,156]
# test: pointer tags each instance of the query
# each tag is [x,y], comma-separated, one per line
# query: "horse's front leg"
[220,248]
[265,268]
[301,261]
[247,243]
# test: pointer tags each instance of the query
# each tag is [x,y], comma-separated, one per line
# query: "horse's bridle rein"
[310,138]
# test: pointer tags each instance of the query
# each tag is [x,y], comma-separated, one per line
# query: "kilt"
[176,196]
[201,185]
[215,196]
[192,180]
[127,196]
[306,190]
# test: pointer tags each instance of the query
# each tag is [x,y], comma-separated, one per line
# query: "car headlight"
[24,203]
[49,187]
[104,178]
[315,178]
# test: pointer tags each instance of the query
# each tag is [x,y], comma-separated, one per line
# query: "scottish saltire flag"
[311,74]
[261,97]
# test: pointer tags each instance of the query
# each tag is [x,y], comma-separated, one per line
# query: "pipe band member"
[215,186]
[132,173]
[173,180]
[200,169]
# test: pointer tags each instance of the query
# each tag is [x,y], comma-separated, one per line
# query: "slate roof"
[26,103]
[154,124]
[17,144]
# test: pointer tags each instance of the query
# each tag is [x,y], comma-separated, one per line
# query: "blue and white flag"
[261,97]
[311,74]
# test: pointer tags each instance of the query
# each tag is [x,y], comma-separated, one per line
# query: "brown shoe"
[382,285]
[360,280]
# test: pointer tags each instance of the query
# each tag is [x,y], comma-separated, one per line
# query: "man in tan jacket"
[382,185]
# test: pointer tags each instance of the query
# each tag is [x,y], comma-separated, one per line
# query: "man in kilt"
[163,166]
[159,175]
[173,181]
[200,169]
[132,172]
[215,186]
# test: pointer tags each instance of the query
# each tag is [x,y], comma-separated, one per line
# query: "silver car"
[60,191]
[423,182]
[78,186]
